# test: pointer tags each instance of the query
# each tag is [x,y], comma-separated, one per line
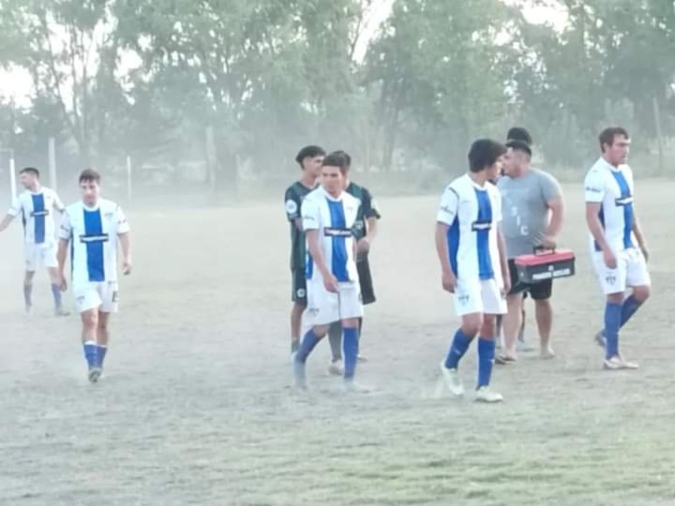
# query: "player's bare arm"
[503,260]
[639,235]
[595,227]
[448,279]
[125,244]
[61,256]
[5,222]
[365,243]
[557,208]
[329,280]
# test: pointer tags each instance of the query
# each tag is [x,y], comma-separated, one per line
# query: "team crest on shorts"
[463,298]
[301,292]
[611,279]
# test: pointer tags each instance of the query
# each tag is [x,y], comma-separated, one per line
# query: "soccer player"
[365,231]
[36,206]
[309,158]
[533,217]
[472,254]
[618,247]
[92,228]
[333,291]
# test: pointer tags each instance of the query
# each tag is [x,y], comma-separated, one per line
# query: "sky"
[17,85]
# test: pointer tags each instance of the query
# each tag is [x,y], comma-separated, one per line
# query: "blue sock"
[486,359]
[629,308]
[27,295]
[90,353]
[100,354]
[56,292]
[460,344]
[309,342]
[612,325]
[350,351]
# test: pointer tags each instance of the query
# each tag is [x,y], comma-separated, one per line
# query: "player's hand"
[507,286]
[645,252]
[363,246]
[609,258]
[449,282]
[331,283]
[126,267]
[549,242]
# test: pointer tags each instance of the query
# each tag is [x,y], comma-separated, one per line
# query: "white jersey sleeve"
[15,208]
[66,228]
[595,186]
[311,215]
[447,211]
[58,204]
[496,204]
[122,223]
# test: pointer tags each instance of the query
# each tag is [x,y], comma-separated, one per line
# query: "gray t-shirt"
[525,209]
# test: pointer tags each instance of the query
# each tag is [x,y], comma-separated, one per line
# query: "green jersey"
[293,198]
[367,210]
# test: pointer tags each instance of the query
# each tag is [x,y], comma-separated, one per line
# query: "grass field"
[195,406]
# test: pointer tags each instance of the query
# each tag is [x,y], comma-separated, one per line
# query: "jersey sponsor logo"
[481,225]
[40,213]
[337,232]
[85,239]
[624,201]
[593,189]
[291,207]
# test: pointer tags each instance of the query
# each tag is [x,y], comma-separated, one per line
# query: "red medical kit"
[545,264]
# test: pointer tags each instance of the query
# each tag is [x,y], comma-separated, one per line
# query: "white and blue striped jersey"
[334,219]
[37,215]
[473,214]
[93,235]
[612,188]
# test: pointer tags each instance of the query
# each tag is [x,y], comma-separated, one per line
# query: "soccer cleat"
[352,386]
[618,363]
[336,368]
[361,358]
[600,339]
[59,311]
[484,394]
[94,374]
[299,376]
[452,381]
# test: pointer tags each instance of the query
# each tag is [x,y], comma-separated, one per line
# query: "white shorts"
[103,295]
[480,296]
[40,255]
[324,307]
[631,270]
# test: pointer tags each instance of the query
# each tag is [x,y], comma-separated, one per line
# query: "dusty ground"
[195,406]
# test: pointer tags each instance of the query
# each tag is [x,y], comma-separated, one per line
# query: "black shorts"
[299,286]
[538,291]
[365,280]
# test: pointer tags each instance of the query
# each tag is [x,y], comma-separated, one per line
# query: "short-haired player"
[92,228]
[533,217]
[36,206]
[471,250]
[333,291]
[309,158]
[365,231]
[618,247]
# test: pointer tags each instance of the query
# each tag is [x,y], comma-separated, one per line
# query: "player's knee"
[320,331]
[487,330]
[352,323]
[642,293]
[89,319]
[28,277]
[472,324]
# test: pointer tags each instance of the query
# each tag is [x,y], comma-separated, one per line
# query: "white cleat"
[95,374]
[618,363]
[336,368]
[452,381]
[484,394]
[351,386]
